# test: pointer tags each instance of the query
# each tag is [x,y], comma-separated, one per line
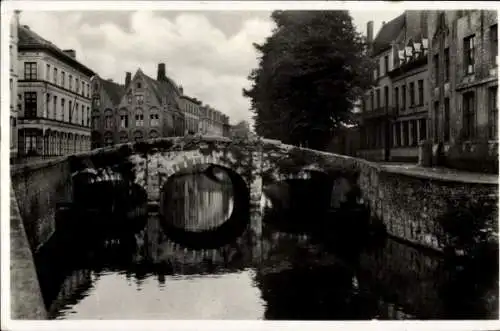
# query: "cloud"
[211,64]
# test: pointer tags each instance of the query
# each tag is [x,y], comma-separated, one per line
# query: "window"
[63,110]
[95,122]
[423,129]
[398,133]
[139,120]
[403,97]
[421,92]
[139,99]
[405,140]
[108,121]
[82,117]
[494,44]
[97,101]
[139,85]
[414,133]
[396,98]
[436,121]
[129,99]
[469,55]
[386,96]
[83,88]
[412,94]
[88,116]
[55,76]
[30,104]
[76,113]
[70,81]
[77,85]
[56,114]
[47,73]
[469,115]
[70,104]
[378,98]
[47,104]
[435,62]
[154,119]
[372,95]
[124,121]
[446,124]
[447,65]
[493,113]
[30,71]
[63,79]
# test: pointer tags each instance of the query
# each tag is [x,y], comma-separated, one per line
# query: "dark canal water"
[286,273]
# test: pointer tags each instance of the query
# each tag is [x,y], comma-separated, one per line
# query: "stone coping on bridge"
[440,174]
[39,164]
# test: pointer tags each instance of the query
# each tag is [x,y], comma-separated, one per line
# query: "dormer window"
[138,85]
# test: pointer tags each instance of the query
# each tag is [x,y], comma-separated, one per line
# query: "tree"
[311,70]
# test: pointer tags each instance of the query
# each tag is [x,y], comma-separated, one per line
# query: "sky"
[208,53]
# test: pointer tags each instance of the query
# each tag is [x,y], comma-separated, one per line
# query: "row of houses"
[436,79]
[59,106]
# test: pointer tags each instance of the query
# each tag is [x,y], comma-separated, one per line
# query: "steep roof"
[30,40]
[114,91]
[387,34]
[164,88]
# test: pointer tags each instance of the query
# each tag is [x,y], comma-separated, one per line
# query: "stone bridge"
[148,165]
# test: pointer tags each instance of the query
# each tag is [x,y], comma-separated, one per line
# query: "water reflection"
[197,202]
[280,275]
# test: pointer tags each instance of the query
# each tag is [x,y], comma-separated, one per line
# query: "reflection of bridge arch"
[235,224]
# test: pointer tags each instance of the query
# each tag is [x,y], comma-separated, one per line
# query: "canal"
[155,272]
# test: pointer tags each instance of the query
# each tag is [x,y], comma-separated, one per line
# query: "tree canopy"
[312,69]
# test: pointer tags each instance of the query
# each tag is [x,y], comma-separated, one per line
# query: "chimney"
[181,89]
[70,52]
[128,78]
[17,14]
[27,27]
[110,80]
[369,32]
[161,72]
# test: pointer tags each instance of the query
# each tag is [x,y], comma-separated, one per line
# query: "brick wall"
[38,189]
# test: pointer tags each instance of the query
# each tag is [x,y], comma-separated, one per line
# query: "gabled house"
[144,108]
[106,96]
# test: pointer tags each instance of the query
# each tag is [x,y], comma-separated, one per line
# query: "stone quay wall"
[410,205]
[39,188]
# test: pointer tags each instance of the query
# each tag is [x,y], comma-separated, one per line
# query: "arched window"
[138,136]
[154,117]
[108,139]
[108,118]
[123,136]
[153,134]
[139,117]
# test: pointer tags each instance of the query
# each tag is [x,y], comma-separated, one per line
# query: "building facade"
[395,112]
[213,122]
[190,108]
[410,83]
[463,70]
[13,81]
[145,108]
[54,97]
[377,105]
[241,129]
[106,96]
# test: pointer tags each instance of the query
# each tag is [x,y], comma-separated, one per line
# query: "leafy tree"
[311,70]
